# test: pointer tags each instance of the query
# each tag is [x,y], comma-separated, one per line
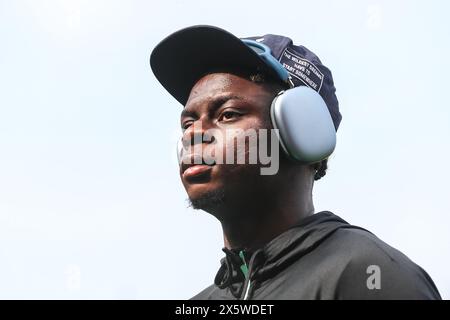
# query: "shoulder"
[209,293]
[372,269]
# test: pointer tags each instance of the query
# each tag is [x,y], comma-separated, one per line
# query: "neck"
[266,214]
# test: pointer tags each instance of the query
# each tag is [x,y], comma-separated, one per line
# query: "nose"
[197,133]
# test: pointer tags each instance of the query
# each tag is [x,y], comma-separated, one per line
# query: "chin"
[207,200]
[208,192]
[203,186]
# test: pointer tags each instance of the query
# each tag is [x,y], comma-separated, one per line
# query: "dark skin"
[256,208]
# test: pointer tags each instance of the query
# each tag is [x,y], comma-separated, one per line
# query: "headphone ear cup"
[305,128]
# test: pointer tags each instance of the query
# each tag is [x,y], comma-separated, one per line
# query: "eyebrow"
[213,105]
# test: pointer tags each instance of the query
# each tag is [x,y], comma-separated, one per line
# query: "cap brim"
[183,57]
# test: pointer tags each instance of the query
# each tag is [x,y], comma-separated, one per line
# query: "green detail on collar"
[244,267]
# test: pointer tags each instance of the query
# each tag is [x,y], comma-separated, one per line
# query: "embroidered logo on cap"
[302,70]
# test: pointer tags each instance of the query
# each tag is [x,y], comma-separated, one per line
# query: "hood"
[240,266]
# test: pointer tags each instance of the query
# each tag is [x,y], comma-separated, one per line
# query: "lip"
[196,166]
[196,170]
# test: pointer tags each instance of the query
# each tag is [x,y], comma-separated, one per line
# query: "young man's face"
[222,102]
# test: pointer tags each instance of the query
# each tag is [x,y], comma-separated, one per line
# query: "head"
[231,99]
[235,99]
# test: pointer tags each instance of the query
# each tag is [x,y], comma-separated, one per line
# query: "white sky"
[91,205]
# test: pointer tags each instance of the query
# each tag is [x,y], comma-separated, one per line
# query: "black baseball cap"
[183,57]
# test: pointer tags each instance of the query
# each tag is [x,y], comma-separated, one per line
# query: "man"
[275,245]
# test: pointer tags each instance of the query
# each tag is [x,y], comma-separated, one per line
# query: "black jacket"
[323,257]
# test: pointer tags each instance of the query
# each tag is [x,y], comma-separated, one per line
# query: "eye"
[229,115]
[186,124]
